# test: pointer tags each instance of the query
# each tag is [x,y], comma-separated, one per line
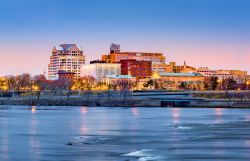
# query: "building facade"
[100,70]
[207,72]
[110,79]
[135,68]
[239,75]
[173,81]
[221,74]
[159,67]
[65,57]
[173,68]
[62,75]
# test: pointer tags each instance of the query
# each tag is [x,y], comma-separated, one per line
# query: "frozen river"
[123,134]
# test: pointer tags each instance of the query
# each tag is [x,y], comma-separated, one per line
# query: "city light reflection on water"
[84,130]
[84,110]
[5,140]
[33,109]
[34,143]
[135,111]
[218,115]
[175,115]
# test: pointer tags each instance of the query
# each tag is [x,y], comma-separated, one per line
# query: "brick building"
[135,68]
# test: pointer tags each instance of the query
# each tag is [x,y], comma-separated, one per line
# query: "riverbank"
[129,101]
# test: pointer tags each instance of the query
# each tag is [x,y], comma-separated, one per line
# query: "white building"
[100,70]
[65,57]
[110,78]
[207,72]
[221,74]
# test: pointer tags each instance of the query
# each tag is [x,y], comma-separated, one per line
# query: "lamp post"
[128,81]
[32,86]
[219,81]
[247,83]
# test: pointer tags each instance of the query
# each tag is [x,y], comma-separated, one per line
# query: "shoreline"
[130,102]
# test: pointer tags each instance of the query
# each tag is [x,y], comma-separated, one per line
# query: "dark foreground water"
[123,134]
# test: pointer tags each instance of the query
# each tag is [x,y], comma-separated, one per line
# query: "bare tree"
[40,84]
[124,85]
[88,83]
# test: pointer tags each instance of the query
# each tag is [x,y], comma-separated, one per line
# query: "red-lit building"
[138,69]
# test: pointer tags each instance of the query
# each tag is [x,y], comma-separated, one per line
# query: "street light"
[247,83]
[220,83]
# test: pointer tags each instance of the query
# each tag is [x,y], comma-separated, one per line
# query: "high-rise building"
[65,57]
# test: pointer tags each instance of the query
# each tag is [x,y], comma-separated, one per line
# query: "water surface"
[123,134]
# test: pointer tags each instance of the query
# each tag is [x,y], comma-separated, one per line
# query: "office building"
[65,57]
[135,68]
[99,70]
[116,55]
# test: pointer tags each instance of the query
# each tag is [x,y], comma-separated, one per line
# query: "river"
[123,134]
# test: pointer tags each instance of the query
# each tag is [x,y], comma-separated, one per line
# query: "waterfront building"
[135,68]
[239,76]
[221,74]
[173,81]
[173,68]
[109,79]
[99,70]
[65,57]
[238,72]
[184,69]
[206,72]
[116,56]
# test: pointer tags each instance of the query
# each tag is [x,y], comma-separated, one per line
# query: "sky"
[204,33]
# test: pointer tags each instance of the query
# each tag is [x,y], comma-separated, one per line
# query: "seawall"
[128,102]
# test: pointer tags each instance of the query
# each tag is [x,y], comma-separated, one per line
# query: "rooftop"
[119,76]
[179,74]
[139,53]
[66,47]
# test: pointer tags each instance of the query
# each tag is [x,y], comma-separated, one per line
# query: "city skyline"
[208,33]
